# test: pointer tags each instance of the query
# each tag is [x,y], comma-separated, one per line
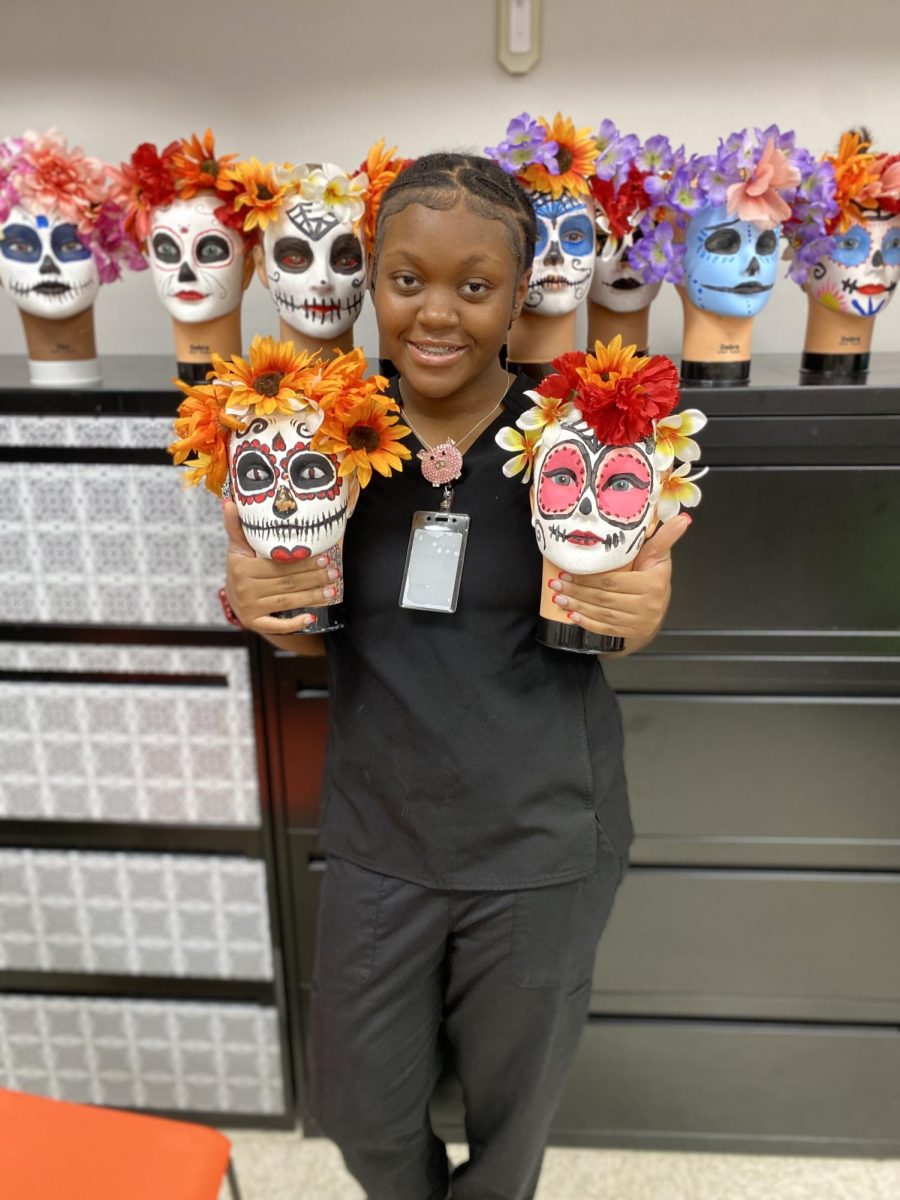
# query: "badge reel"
[434,560]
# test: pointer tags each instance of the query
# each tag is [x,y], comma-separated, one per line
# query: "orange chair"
[54,1150]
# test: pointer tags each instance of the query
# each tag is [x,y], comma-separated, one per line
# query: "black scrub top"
[463,754]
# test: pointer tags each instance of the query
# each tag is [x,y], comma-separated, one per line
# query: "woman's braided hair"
[440,180]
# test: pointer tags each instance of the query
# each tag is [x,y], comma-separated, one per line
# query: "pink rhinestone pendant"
[441,464]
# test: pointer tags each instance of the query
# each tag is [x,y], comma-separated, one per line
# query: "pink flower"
[758,198]
[59,181]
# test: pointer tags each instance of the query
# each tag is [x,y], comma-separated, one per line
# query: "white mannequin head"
[615,285]
[291,502]
[45,267]
[563,256]
[314,267]
[592,503]
[197,262]
[860,275]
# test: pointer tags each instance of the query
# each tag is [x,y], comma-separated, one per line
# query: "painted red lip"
[190,295]
[283,554]
[872,289]
[581,538]
[324,308]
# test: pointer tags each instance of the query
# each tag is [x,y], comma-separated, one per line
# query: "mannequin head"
[730,265]
[861,273]
[617,285]
[197,262]
[45,267]
[601,445]
[61,226]
[593,502]
[313,264]
[564,254]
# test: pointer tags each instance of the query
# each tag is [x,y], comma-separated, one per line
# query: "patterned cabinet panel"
[109,543]
[143,1054]
[81,744]
[134,914]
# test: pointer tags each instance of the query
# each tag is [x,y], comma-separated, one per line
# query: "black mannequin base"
[833,368]
[715,374]
[575,638]
[328,618]
[193,372]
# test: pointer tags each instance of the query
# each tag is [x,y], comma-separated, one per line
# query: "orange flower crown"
[351,415]
[619,395]
[863,181]
[154,178]
[381,169]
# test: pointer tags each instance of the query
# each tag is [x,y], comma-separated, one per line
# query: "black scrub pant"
[507,974]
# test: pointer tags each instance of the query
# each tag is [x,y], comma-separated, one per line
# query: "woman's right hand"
[257,587]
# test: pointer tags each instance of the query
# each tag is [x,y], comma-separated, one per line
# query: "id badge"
[434,561]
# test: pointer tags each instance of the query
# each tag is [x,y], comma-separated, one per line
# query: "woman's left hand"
[629,603]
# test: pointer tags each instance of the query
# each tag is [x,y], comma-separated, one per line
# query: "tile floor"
[284,1166]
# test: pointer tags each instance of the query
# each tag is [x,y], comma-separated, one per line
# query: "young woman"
[474,807]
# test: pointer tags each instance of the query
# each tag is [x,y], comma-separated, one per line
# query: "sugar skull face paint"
[315,269]
[615,285]
[730,265]
[45,267]
[860,276]
[592,503]
[290,499]
[563,256]
[197,262]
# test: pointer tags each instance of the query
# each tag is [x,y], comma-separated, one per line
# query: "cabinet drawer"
[764,780]
[178,1056]
[752,944]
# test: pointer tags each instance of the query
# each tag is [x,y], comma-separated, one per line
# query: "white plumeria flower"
[672,440]
[313,416]
[331,187]
[679,491]
[548,413]
[523,445]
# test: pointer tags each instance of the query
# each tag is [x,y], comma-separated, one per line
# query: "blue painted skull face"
[563,256]
[730,265]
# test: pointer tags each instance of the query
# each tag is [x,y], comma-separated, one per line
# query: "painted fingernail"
[333,573]
[555,584]
[562,601]
[309,619]
[329,592]
[576,617]
[566,576]
[323,560]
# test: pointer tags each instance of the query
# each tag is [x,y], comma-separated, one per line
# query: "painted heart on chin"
[282,554]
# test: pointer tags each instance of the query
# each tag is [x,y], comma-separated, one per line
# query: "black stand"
[194,372]
[833,368]
[715,374]
[328,618]
[575,638]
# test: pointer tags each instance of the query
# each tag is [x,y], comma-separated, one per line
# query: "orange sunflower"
[276,379]
[203,428]
[575,158]
[197,168]
[364,437]
[257,190]
[381,170]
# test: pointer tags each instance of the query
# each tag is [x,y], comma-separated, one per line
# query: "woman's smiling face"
[446,289]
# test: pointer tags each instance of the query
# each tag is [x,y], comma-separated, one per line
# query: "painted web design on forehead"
[546,206]
[312,220]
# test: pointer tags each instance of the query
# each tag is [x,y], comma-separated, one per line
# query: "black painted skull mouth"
[626,285]
[742,289]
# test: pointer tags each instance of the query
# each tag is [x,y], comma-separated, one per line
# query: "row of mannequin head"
[606,237]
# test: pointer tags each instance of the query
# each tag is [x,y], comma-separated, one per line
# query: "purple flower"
[783,141]
[526,142]
[655,155]
[683,194]
[715,178]
[110,245]
[744,148]
[608,132]
[657,256]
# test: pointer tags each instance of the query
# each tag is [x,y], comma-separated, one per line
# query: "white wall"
[309,81]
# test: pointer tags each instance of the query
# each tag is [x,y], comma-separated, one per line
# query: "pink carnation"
[758,198]
[50,178]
